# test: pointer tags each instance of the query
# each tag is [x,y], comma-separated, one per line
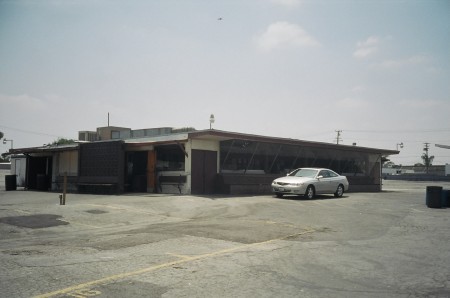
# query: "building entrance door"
[204,170]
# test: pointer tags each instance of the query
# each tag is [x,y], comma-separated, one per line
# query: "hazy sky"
[377,70]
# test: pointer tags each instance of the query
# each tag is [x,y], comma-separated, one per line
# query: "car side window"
[324,174]
[332,174]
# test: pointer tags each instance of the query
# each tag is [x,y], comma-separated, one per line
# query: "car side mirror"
[319,177]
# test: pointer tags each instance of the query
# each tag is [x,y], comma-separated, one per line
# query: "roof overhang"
[442,146]
[149,143]
[209,134]
[43,149]
[212,134]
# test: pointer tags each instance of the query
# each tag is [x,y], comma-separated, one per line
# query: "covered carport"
[46,166]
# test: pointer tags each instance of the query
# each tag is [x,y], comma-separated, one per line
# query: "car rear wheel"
[310,192]
[339,191]
[279,195]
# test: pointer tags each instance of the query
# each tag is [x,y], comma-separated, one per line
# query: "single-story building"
[193,162]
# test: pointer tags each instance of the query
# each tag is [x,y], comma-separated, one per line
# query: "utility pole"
[338,137]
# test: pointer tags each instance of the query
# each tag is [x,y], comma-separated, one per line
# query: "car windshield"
[310,173]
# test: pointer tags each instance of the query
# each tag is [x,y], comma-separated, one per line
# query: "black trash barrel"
[446,198]
[434,197]
[10,182]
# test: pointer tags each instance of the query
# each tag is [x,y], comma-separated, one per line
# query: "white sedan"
[309,182]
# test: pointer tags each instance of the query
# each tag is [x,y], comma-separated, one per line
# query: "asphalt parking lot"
[386,244]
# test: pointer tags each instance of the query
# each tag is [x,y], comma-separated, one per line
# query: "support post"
[64,189]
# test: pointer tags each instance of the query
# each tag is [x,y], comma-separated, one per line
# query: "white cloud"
[421,103]
[285,35]
[287,3]
[392,64]
[352,103]
[21,102]
[366,48]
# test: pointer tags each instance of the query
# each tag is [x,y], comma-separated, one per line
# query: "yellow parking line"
[179,256]
[164,265]
[81,224]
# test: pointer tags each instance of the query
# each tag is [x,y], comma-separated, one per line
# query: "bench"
[98,185]
[172,180]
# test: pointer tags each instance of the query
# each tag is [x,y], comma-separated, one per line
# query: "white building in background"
[19,168]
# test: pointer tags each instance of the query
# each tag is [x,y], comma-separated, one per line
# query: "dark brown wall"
[102,163]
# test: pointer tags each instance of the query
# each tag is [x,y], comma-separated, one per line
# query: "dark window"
[332,174]
[170,158]
[242,156]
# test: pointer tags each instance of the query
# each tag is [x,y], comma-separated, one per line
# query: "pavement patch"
[37,221]
[96,211]
[22,252]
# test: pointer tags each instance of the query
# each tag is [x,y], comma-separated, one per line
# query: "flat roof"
[226,135]
[42,149]
[209,134]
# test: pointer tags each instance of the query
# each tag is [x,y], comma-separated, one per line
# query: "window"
[242,156]
[115,134]
[324,174]
[332,174]
[170,158]
[250,157]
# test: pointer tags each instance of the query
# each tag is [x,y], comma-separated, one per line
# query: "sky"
[379,71]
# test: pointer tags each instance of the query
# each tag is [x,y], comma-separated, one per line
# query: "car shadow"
[316,198]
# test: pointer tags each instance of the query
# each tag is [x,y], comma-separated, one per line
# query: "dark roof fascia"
[45,149]
[162,140]
[226,135]
[155,143]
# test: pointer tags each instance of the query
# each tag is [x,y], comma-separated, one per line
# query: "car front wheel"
[339,191]
[309,194]
[279,195]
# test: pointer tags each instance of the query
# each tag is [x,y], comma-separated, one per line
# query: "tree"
[389,164]
[63,141]
[3,158]
[427,160]
[385,161]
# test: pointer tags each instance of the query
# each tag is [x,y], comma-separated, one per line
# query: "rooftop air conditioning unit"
[87,136]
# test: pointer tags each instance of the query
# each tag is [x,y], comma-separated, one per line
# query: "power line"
[29,131]
[405,141]
[399,131]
